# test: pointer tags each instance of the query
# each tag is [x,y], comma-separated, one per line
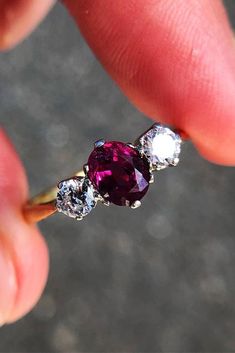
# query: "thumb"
[23,253]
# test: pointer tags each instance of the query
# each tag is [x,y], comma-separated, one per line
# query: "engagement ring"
[116,173]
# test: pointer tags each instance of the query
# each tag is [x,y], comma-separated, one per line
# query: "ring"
[116,173]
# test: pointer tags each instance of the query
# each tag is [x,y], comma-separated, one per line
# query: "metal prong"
[139,149]
[136,204]
[130,145]
[174,162]
[102,199]
[151,178]
[99,143]
[99,197]
[79,218]
[86,168]
[59,185]
[160,167]
[105,202]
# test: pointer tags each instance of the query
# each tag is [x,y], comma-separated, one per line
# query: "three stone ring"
[116,173]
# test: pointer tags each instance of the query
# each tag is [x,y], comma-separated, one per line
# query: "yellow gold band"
[122,164]
[43,205]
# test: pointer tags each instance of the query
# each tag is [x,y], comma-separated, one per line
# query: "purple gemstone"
[119,173]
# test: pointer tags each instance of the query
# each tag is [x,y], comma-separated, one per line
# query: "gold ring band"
[43,204]
[116,172]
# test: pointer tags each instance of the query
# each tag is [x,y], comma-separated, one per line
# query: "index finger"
[175,60]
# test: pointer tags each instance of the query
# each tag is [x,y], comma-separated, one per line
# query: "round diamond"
[161,146]
[76,197]
[119,173]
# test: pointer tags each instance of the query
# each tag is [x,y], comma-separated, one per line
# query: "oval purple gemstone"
[119,173]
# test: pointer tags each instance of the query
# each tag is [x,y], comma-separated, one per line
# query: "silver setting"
[135,204]
[151,181]
[131,145]
[76,197]
[173,163]
[99,143]
[79,218]
[105,202]
[86,169]
[161,146]
[102,199]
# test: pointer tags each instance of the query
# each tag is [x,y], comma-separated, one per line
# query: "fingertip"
[174,60]
[18,18]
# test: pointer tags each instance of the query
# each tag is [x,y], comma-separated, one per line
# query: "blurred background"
[159,278]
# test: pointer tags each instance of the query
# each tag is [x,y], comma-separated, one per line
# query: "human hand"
[174,59]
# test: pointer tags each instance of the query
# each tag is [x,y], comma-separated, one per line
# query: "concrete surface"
[160,278]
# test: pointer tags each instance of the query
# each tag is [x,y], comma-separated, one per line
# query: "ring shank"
[43,205]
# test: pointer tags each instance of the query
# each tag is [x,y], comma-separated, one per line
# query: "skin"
[174,59]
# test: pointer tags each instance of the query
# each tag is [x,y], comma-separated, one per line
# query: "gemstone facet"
[119,173]
[161,146]
[76,197]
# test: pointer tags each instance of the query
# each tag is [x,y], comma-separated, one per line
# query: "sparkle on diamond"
[76,197]
[161,146]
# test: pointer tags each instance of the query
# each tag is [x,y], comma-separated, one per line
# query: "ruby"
[119,173]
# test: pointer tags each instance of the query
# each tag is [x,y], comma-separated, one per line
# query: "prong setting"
[131,145]
[151,181]
[99,143]
[76,197]
[119,173]
[105,202]
[135,204]
[104,199]
[79,218]
[175,162]
[161,146]
[86,169]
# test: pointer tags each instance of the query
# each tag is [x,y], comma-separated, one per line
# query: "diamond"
[119,173]
[161,146]
[76,197]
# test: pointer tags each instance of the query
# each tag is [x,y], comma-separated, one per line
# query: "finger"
[174,59]
[18,18]
[23,253]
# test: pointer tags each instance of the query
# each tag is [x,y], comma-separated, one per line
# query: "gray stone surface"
[159,278]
